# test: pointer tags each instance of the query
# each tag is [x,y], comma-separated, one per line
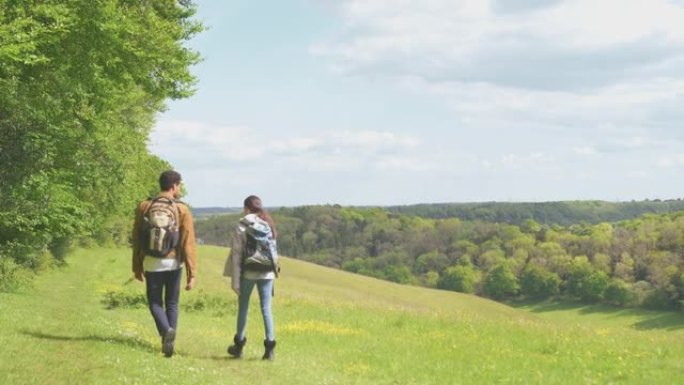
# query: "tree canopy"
[81,82]
[527,214]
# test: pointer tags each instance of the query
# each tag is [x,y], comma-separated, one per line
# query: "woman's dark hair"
[253,205]
[167,179]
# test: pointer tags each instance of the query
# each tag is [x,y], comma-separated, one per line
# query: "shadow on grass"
[669,321]
[648,319]
[130,342]
[227,358]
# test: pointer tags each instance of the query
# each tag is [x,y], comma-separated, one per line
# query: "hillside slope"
[332,328]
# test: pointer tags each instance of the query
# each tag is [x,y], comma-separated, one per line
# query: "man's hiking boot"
[235,350]
[167,342]
[269,354]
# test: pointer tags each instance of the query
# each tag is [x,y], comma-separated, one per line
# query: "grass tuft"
[113,299]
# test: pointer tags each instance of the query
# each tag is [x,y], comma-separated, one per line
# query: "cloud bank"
[544,100]
[612,67]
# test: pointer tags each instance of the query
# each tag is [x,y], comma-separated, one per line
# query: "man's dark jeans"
[166,283]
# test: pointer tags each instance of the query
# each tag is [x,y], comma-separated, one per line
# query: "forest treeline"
[564,213]
[81,83]
[636,262]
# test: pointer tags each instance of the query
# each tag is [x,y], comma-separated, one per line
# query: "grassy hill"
[87,324]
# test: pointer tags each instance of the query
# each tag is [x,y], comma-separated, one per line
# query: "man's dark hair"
[167,179]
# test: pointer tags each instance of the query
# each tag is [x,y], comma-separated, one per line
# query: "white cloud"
[338,164]
[296,146]
[586,150]
[609,67]
[374,139]
[568,45]
[200,143]
[588,23]
[203,145]
[671,161]
[533,162]
[450,33]
[404,164]
[636,142]
[646,109]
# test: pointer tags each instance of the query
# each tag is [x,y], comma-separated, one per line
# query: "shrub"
[358,266]
[584,282]
[218,305]
[641,290]
[13,277]
[537,282]
[459,278]
[658,300]
[399,274]
[500,282]
[432,261]
[59,248]
[619,292]
[430,279]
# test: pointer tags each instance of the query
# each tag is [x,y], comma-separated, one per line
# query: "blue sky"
[381,102]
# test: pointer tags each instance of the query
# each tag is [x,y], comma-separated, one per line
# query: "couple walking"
[164,243]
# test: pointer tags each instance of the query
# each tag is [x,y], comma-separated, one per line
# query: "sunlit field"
[88,323]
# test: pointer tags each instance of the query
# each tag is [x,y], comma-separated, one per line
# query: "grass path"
[332,328]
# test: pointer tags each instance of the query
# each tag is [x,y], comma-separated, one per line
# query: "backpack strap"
[147,209]
[276,270]
[174,208]
[171,202]
[156,199]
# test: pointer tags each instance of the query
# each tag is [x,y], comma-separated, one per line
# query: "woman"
[253,240]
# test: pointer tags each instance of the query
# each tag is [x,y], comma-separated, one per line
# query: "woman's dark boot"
[235,350]
[269,354]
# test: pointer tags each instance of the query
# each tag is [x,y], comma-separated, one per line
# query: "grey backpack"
[258,253]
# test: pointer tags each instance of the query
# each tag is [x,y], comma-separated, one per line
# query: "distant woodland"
[564,213]
[565,249]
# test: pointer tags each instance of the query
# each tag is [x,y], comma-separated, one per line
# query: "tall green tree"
[81,82]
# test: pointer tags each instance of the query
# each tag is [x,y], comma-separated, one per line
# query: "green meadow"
[87,323]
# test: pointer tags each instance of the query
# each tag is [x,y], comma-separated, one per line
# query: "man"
[164,242]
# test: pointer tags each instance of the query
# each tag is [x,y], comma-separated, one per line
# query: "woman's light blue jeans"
[265,289]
